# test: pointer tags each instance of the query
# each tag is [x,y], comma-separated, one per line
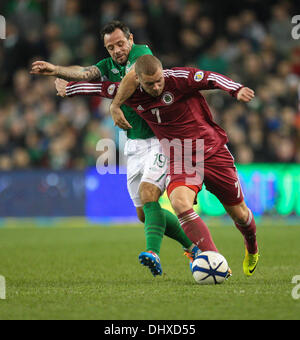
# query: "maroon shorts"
[219,176]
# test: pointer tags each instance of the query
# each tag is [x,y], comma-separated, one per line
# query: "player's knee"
[241,216]
[149,193]
[180,204]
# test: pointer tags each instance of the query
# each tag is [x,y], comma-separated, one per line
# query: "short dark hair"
[112,26]
[147,64]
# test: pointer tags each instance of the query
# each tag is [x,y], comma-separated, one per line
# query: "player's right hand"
[119,118]
[43,68]
[245,94]
[61,85]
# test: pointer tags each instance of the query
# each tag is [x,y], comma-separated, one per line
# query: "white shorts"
[145,163]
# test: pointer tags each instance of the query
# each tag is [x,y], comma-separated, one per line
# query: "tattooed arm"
[77,73]
[70,73]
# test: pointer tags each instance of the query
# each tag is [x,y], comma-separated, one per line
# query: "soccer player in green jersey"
[146,164]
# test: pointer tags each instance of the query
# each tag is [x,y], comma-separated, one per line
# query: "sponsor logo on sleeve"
[199,76]
[111,89]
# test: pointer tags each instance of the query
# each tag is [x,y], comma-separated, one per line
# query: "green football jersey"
[114,72]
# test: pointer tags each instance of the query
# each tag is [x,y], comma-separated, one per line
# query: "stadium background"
[48,145]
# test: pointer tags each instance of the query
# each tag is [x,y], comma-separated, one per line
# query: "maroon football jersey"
[180,112]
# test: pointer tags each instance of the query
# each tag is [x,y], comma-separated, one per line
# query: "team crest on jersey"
[111,89]
[199,76]
[115,71]
[168,98]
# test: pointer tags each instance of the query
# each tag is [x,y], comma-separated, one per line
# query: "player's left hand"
[245,94]
[61,85]
[119,118]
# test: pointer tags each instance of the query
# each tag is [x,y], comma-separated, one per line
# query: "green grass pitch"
[94,273]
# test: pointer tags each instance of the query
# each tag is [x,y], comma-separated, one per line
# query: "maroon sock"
[196,230]
[249,232]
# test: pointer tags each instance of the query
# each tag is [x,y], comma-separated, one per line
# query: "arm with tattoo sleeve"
[70,73]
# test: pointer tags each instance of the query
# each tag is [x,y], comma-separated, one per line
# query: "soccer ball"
[209,268]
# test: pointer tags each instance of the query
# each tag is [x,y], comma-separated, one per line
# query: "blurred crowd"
[249,41]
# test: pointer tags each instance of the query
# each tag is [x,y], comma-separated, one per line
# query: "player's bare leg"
[239,213]
[149,192]
[140,214]
[182,200]
[244,221]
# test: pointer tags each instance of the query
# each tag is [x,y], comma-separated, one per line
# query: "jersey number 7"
[157,113]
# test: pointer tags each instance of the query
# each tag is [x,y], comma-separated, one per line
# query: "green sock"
[174,230]
[155,226]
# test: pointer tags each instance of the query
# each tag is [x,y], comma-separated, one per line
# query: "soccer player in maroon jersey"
[170,102]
